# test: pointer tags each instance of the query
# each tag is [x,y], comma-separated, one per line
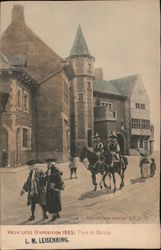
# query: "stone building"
[36,122]
[82,124]
[51,107]
[120,105]
[18,117]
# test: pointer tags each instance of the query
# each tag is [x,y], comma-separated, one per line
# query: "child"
[152,167]
[73,168]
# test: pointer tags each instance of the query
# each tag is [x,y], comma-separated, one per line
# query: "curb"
[14,170]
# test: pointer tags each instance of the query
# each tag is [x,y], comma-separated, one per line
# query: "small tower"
[82,122]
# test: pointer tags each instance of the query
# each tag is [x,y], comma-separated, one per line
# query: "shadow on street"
[137,180]
[94,194]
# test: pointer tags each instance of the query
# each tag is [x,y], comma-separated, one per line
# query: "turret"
[81,94]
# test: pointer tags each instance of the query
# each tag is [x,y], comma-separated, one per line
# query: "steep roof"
[19,40]
[80,47]
[121,87]
[106,87]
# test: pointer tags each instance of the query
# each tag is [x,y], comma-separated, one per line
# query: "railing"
[101,113]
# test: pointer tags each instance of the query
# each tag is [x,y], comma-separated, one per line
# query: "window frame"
[82,97]
[28,138]
[26,94]
[19,98]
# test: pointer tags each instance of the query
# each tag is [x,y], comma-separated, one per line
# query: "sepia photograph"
[79,122]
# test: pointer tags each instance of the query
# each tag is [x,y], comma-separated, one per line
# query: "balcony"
[141,132]
[102,113]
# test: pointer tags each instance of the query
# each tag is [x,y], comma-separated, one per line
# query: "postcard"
[80,124]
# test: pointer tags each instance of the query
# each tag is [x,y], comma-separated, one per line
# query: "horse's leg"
[114,181]
[94,181]
[121,184]
[103,179]
[109,174]
[123,168]
[100,184]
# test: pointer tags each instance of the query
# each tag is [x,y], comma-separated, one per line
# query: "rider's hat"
[97,135]
[113,135]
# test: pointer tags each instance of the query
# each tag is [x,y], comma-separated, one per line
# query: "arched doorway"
[4,148]
[121,141]
[17,145]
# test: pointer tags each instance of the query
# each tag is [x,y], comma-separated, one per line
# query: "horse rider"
[114,148]
[98,148]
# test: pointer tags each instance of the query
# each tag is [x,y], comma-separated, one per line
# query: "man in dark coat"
[35,186]
[152,167]
[53,194]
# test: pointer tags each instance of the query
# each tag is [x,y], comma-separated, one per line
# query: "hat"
[96,136]
[113,135]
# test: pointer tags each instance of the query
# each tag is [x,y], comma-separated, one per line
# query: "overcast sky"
[123,36]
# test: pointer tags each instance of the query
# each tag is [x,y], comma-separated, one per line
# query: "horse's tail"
[125,160]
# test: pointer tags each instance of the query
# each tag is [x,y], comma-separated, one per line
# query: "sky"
[123,36]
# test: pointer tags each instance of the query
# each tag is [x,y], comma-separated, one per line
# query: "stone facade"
[18,120]
[52,114]
[127,112]
[109,115]
[81,95]
[47,124]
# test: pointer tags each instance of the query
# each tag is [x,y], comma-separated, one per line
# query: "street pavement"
[137,202]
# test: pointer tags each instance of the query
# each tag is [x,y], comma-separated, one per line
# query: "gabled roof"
[121,87]
[18,39]
[106,87]
[80,47]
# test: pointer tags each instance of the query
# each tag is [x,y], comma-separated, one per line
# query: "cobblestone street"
[137,202]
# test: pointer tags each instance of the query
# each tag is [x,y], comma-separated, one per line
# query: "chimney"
[99,74]
[18,14]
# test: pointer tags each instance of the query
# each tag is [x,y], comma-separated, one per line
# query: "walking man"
[35,186]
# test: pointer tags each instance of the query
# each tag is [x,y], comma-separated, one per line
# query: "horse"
[118,167]
[95,167]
